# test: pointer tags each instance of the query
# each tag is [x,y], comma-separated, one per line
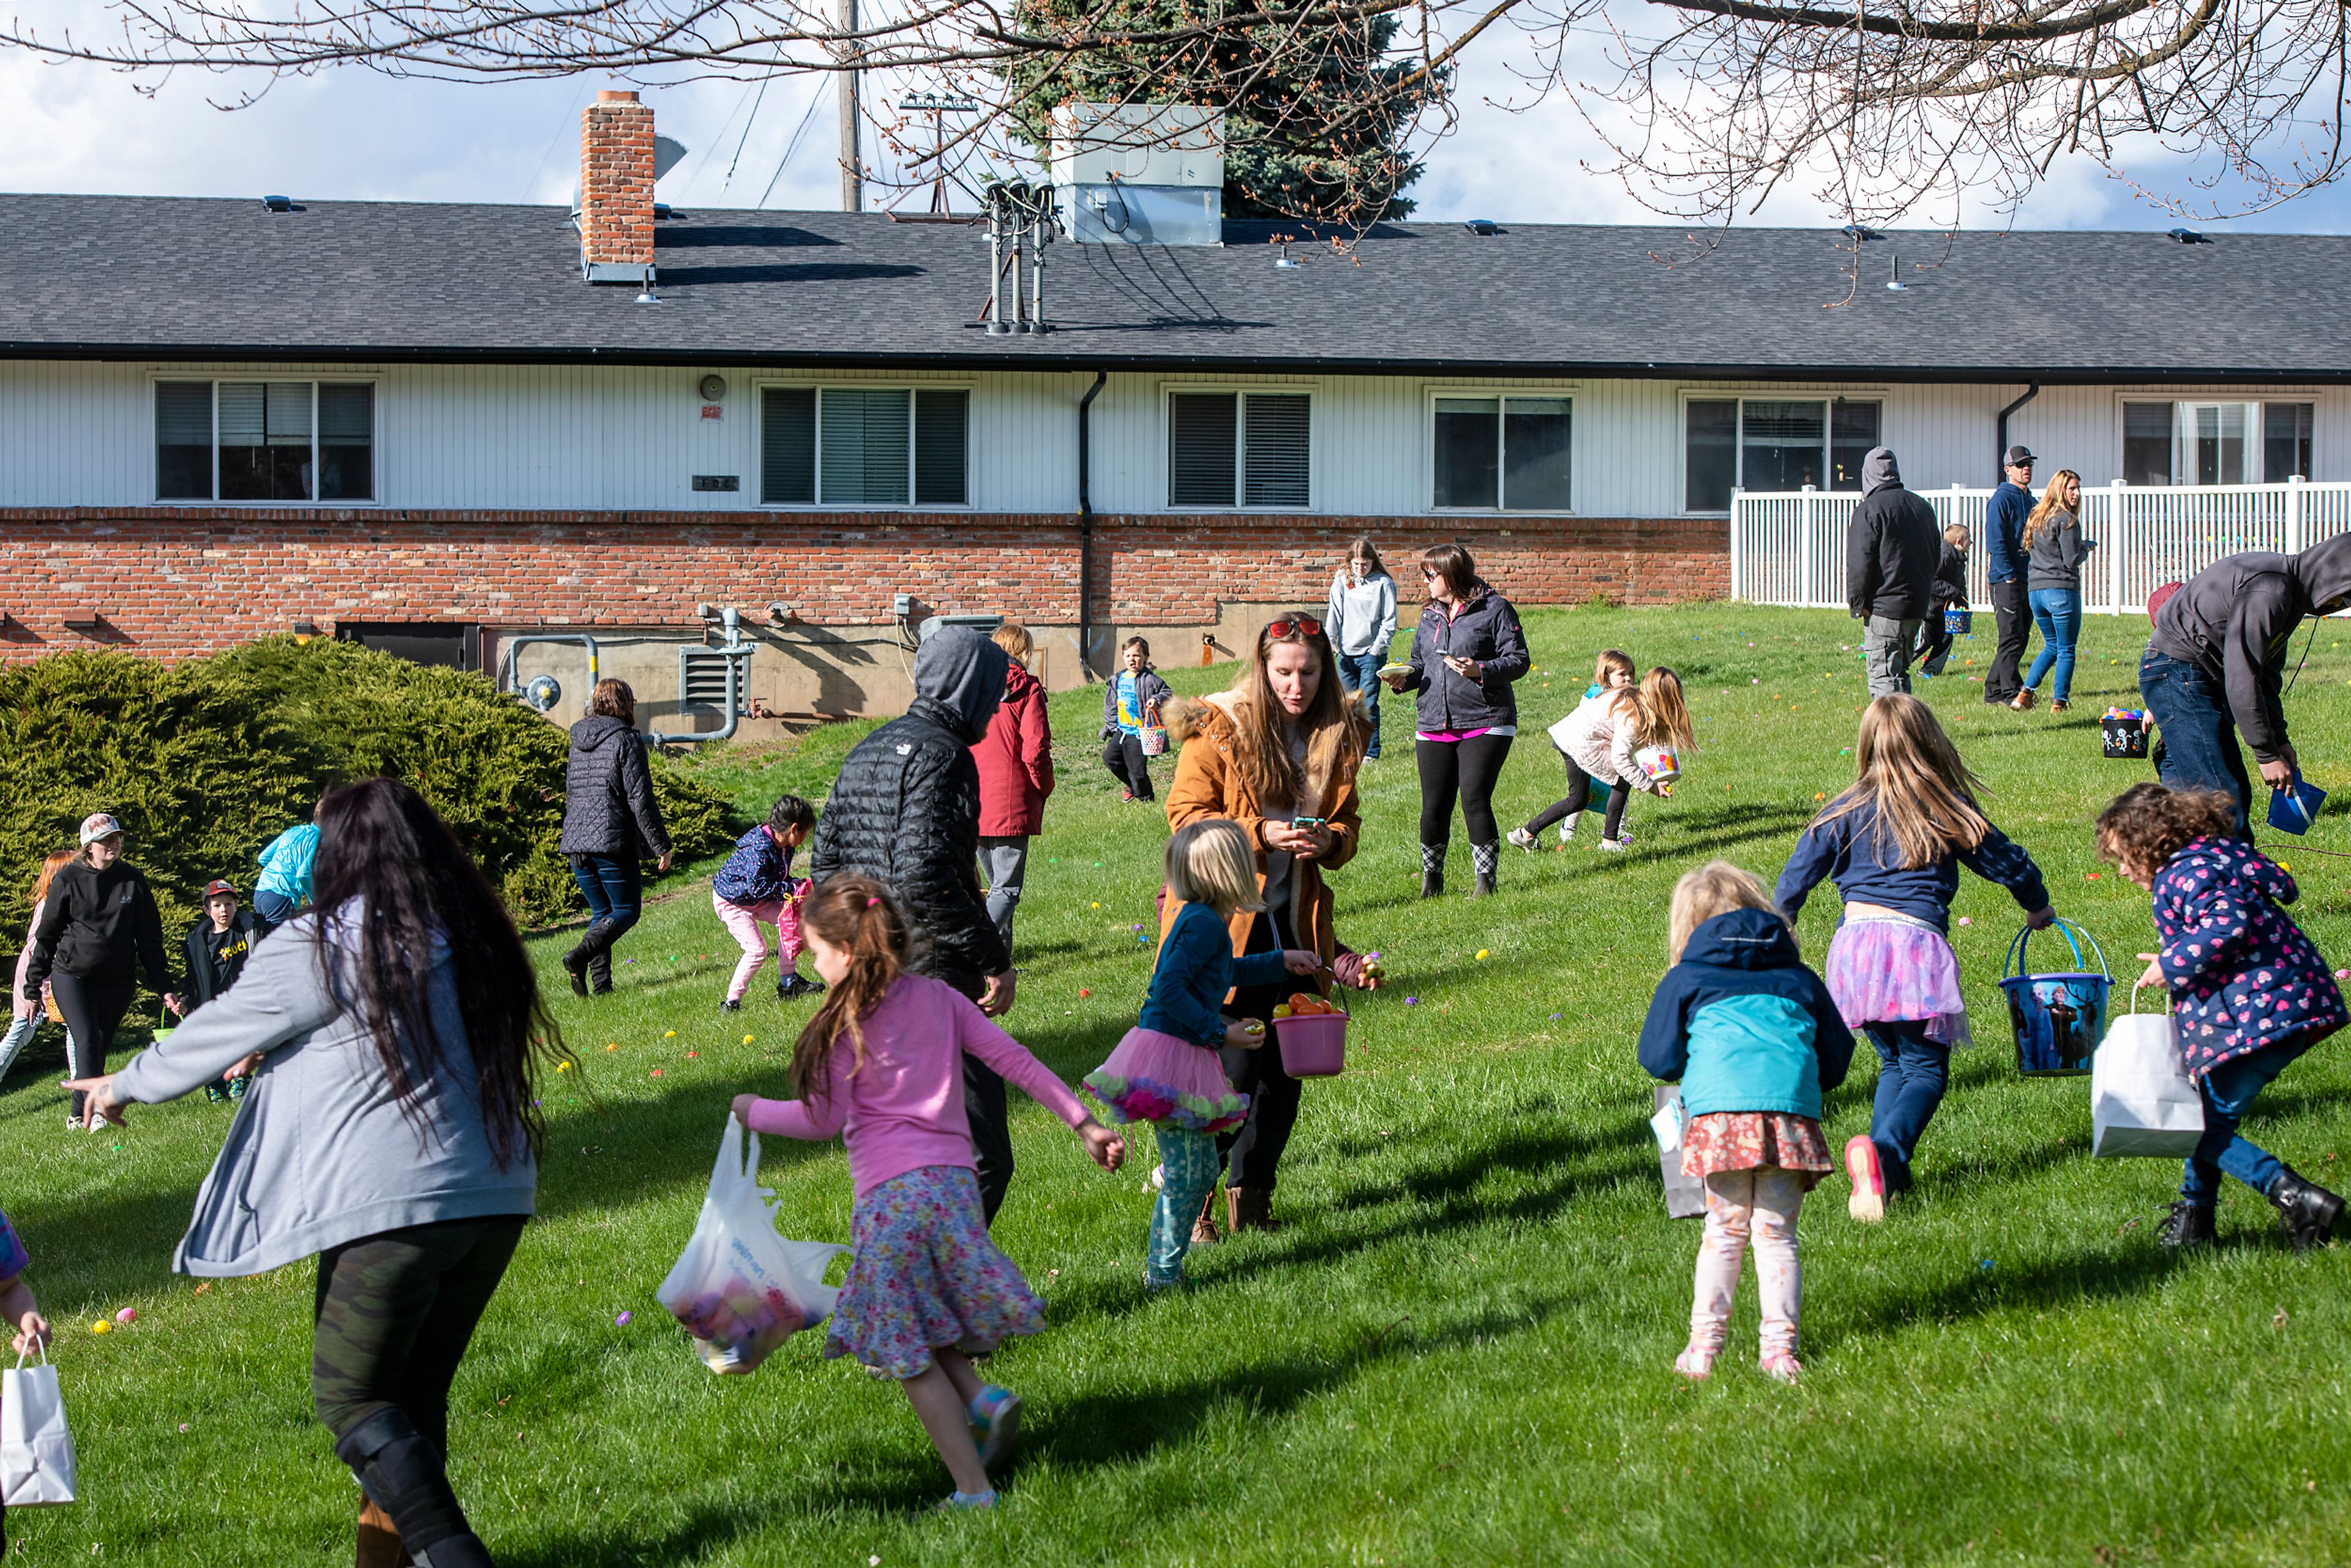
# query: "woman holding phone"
[1465,654]
[1276,753]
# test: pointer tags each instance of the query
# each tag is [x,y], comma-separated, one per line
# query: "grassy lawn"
[1457,1351]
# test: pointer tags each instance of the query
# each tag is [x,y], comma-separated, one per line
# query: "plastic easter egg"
[127,1315]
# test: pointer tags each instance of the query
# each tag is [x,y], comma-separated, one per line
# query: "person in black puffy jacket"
[1891,551]
[905,811]
[609,810]
[99,920]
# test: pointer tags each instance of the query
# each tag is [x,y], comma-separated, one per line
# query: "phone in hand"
[1308,825]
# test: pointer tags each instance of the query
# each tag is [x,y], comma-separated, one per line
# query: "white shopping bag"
[2141,1101]
[740,1288]
[37,1457]
[1685,1195]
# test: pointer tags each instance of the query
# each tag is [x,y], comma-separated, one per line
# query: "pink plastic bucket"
[1314,1046]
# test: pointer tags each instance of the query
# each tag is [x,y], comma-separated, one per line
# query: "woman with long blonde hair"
[1276,753]
[1893,844]
[2054,548]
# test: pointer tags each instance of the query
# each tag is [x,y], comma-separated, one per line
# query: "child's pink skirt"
[1887,968]
[1155,1077]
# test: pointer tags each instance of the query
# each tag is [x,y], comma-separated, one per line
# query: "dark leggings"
[1463,767]
[393,1314]
[1122,755]
[1579,796]
[93,1006]
[1253,1150]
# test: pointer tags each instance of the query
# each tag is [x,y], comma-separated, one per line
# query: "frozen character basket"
[2057,1017]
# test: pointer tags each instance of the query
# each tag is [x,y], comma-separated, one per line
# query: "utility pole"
[853,167]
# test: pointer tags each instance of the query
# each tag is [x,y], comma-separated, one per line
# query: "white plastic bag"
[1685,1195]
[2141,1101]
[37,1457]
[740,1288]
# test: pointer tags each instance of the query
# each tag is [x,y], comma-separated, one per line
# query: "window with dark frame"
[864,447]
[2147,443]
[1503,454]
[2285,441]
[1775,443]
[265,440]
[1250,449]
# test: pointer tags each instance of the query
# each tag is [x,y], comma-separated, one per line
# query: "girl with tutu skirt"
[1167,1071]
[881,1065]
[1893,844]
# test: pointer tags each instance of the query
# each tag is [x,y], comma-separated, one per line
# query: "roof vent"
[1483,226]
[1859,233]
[278,203]
[2189,236]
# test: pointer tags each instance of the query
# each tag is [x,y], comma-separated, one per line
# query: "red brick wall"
[188,580]
[616,179]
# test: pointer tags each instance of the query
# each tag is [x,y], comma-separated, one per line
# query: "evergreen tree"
[1317,135]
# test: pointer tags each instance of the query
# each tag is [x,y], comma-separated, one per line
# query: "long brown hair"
[2052,501]
[1362,546]
[1905,767]
[1665,717]
[55,861]
[865,919]
[1264,760]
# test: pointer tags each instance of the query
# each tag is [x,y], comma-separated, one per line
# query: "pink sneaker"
[1867,1204]
[1782,1367]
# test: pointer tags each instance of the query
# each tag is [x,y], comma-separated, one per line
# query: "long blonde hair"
[1718,887]
[1261,754]
[1659,716]
[2062,483]
[1907,768]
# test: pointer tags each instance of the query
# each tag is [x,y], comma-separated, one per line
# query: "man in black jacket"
[2214,666]
[905,810]
[1890,552]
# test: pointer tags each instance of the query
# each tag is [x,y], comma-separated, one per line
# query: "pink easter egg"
[127,1315]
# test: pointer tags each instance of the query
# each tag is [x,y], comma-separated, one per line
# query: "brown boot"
[1204,1224]
[1249,1208]
[379,1544]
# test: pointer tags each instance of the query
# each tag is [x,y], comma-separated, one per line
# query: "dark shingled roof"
[167,278]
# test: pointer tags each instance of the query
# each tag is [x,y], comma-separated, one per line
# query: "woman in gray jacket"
[390,1130]
[2053,547]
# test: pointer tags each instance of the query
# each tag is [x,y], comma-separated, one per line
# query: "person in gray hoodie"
[2214,666]
[391,1130]
[1891,549]
[609,808]
[1361,618]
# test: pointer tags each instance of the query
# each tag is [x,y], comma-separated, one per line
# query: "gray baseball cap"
[2019,457]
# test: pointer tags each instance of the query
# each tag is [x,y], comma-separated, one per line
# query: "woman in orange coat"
[1276,753]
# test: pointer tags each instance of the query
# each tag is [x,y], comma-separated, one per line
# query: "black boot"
[2189,1225]
[402,1473]
[577,962]
[2307,1211]
[1487,858]
[599,974]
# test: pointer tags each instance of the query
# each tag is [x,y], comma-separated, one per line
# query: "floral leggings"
[1187,1162]
[1762,1202]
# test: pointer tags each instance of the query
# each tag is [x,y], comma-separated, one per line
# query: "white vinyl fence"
[1790,548]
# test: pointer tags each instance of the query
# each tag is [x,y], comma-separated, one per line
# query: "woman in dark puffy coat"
[1467,652]
[607,810]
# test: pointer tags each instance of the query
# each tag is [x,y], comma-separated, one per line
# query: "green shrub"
[205,761]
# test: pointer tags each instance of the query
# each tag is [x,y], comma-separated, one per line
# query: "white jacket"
[1601,741]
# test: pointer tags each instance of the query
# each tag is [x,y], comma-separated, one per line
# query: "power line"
[793,145]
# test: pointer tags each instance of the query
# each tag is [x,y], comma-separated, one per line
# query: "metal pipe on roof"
[1999,468]
[1086,524]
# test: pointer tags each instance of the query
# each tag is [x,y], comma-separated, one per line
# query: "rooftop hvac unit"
[1143,173]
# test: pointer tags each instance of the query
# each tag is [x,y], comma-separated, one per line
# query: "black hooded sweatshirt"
[1891,547]
[2234,619]
[906,809]
[95,924]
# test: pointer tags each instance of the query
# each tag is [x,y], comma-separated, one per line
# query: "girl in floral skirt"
[1754,1039]
[881,1065]
[1167,1071]
[1893,844]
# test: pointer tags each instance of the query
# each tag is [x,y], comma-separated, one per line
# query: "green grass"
[1459,1350]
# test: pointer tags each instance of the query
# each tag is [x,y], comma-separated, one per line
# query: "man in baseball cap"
[2004,564]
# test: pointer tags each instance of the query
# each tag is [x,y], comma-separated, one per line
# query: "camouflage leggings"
[395,1313]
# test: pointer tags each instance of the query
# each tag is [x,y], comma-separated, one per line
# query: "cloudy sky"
[353,134]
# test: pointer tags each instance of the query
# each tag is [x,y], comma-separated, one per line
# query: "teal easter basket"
[2058,1017]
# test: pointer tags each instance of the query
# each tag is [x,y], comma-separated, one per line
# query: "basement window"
[864,447]
[265,440]
[1245,449]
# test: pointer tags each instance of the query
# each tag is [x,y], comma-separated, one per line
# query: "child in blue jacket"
[2250,993]
[755,892]
[1754,1038]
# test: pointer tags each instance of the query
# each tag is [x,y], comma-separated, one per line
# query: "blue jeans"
[274,909]
[613,886]
[2058,612]
[2199,746]
[1356,673]
[2229,1091]
[1187,1166]
[1912,1074]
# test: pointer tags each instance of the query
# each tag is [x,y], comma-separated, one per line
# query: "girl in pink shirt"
[881,1065]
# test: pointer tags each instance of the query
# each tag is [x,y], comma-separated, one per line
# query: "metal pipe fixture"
[738,653]
[515,645]
[1999,467]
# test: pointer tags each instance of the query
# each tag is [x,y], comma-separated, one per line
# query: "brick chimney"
[616,189]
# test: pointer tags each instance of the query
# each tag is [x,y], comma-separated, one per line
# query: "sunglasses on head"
[1297,626]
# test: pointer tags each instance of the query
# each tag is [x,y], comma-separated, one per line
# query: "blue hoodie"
[1744,1024]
